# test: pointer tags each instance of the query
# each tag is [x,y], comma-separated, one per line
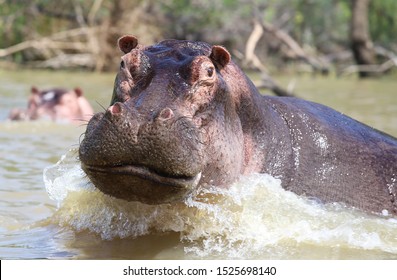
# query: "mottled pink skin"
[183,116]
[55,104]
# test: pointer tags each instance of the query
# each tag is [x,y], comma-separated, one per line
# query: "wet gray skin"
[183,116]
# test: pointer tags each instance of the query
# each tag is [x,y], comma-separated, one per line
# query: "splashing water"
[254,218]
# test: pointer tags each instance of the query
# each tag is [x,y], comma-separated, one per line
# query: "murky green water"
[256,218]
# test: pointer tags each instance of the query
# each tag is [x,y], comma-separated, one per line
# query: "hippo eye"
[122,65]
[210,71]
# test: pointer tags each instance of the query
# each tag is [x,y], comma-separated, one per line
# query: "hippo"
[55,104]
[183,116]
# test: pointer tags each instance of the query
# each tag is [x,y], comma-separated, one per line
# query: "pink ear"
[34,90]
[127,43]
[220,56]
[78,92]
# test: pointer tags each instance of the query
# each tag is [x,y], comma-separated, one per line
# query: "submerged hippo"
[183,115]
[55,104]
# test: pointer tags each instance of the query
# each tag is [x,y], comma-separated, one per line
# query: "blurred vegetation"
[320,27]
[383,22]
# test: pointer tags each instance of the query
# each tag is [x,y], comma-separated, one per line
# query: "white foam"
[253,218]
[64,176]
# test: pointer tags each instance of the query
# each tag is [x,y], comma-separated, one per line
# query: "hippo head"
[55,104]
[171,125]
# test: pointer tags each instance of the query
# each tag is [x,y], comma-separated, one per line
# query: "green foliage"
[11,23]
[311,22]
[383,21]
[321,24]
[190,19]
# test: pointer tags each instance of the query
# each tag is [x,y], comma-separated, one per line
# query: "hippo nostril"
[115,109]
[166,114]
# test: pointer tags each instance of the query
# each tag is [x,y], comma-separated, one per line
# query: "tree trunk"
[362,46]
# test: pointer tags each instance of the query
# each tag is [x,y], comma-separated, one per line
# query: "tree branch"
[370,68]
[267,82]
[250,47]
[296,49]
[50,42]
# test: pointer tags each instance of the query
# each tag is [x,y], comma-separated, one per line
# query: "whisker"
[82,122]
[103,107]
[81,135]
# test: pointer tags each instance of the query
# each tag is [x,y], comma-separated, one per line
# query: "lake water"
[62,216]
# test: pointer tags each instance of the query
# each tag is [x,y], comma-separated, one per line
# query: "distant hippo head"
[56,104]
[172,124]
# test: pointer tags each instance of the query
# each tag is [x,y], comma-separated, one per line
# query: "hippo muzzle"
[154,162]
[138,183]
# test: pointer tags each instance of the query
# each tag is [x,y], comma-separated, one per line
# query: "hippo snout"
[153,159]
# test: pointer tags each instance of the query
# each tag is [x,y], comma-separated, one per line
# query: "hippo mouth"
[139,183]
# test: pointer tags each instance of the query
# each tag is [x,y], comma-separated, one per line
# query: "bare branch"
[93,11]
[267,82]
[373,68]
[50,42]
[250,47]
[297,51]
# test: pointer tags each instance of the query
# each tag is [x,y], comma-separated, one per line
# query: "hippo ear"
[78,92]
[34,90]
[127,43]
[220,56]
